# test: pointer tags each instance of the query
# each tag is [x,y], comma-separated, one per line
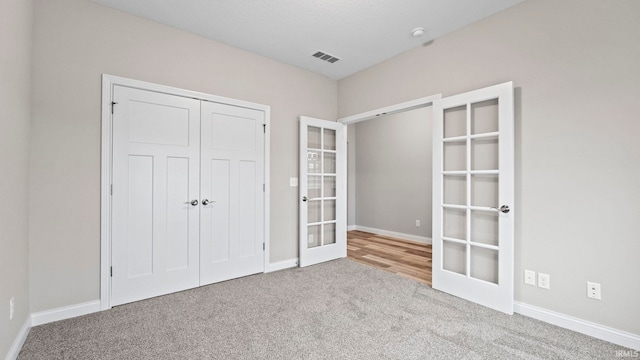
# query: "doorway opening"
[389,183]
[473,194]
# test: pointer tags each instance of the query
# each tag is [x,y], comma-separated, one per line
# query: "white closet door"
[156,144]
[232,194]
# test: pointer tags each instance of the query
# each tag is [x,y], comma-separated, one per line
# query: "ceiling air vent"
[326,57]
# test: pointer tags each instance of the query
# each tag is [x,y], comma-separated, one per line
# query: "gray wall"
[75,42]
[16,23]
[351,175]
[393,172]
[575,66]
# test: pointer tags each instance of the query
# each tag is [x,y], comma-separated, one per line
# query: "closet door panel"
[232,228]
[156,159]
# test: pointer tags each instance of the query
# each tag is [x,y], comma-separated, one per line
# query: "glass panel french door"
[473,187]
[322,191]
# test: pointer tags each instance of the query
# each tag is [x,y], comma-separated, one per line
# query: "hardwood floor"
[406,258]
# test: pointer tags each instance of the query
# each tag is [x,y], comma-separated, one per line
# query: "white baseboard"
[66,312]
[352,227]
[416,238]
[19,340]
[597,331]
[281,265]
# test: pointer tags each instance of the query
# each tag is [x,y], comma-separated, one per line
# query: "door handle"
[206,202]
[503,209]
[193,202]
[305,199]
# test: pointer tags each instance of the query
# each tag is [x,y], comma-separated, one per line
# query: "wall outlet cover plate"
[530,277]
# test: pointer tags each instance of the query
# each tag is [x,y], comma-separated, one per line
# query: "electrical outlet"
[530,277]
[293,182]
[544,281]
[417,223]
[593,291]
[11,308]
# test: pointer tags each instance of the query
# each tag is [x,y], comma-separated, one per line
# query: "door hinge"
[113,103]
[264,247]
[111,271]
[264,187]
[264,128]
[111,189]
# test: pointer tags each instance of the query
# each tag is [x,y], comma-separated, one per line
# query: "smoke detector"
[417,32]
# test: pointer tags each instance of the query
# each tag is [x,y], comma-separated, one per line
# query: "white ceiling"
[359,32]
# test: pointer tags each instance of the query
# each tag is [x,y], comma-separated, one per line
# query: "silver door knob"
[305,199]
[504,209]
[206,202]
[194,202]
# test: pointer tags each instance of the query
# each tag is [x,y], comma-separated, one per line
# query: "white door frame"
[108,83]
[392,109]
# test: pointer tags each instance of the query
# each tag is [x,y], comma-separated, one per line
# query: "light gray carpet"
[336,310]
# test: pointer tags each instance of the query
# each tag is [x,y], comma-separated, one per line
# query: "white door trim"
[389,110]
[392,109]
[108,83]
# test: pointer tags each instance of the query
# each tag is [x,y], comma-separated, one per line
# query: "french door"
[473,196]
[187,193]
[323,191]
